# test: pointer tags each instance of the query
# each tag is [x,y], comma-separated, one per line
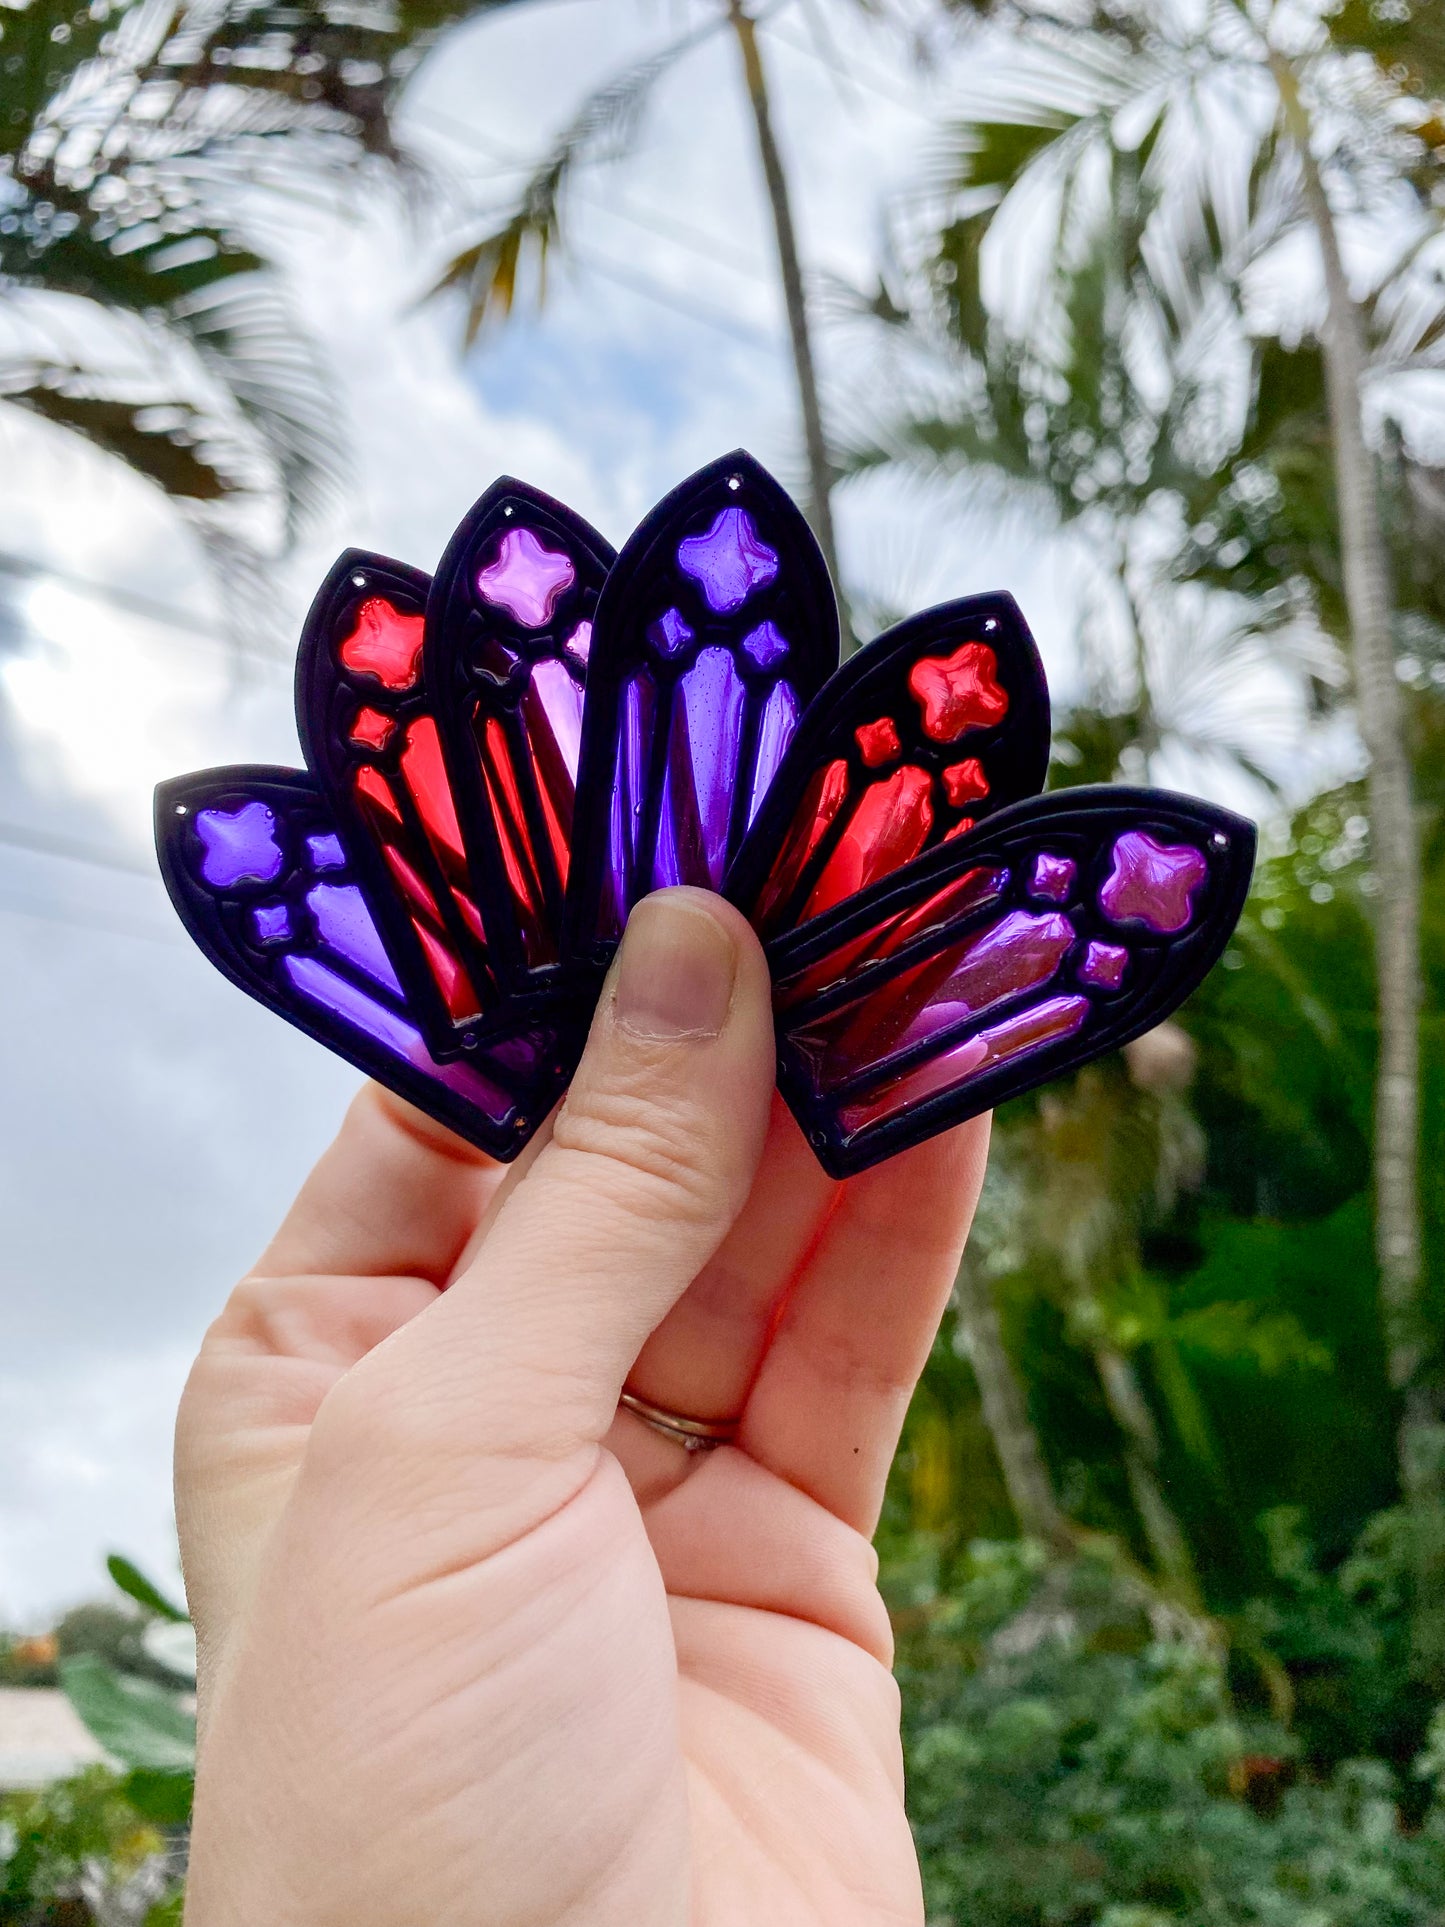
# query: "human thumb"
[650,1159]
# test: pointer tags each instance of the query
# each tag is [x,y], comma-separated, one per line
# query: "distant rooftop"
[42,1737]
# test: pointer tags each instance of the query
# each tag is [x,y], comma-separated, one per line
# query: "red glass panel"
[971,891]
[960,828]
[372,787]
[426,778]
[959,692]
[538,938]
[452,980]
[385,644]
[878,741]
[965,782]
[888,828]
[371,729]
[822,800]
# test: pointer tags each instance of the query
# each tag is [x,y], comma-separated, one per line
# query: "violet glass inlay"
[1053,877]
[1152,883]
[702,759]
[765,645]
[393,1033]
[344,924]
[629,794]
[730,561]
[240,846]
[1104,965]
[525,578]
[579,643]
[272,922]
[326,852]
[775,731]
[669,633]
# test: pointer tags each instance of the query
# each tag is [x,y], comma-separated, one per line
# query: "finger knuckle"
[650,1152]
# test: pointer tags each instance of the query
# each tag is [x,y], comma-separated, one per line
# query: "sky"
[156,1122]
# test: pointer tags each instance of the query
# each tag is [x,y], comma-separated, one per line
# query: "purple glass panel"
[240,846]
[525,578]
[775,731]
[1152,883]
[629,792]
[1053,877]
[345,926]
[393,1033]
[702,759]
[326,852]
[561,699]
[272,922]
[730,561]
[1028,1030]
[1104,965]
[579,643]
[669,633]
[765,645]
[1014,956]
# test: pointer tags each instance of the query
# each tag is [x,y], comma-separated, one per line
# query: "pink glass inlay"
[1029,1030]
[730,561]
[959,898]
[1052,877]
[1152,883]
[701,774]
[1104,965]
[1016,955]
[525,578]
[239,846]
[579,643]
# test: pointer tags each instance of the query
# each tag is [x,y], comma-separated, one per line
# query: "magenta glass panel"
[525,578]
[1029,1030]
[1104,965]
[1152,883]
[668,634]
[729,562]
[702,759]
[240,846]
[1016,955]
[560,700]
[345,926]
[579,643]
[775,731]
[1053,877]
[344,1000]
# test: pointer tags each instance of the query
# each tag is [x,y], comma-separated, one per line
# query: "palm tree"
[1248,128]
[138,311]
[489,269]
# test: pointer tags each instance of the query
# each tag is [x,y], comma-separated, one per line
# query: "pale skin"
[477,1648]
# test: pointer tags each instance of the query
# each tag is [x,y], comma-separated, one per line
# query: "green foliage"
[134,1584]
[78,1834]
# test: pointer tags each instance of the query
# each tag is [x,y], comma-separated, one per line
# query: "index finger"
[396,1194]
[829,1399]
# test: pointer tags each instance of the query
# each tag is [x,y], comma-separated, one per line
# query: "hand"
[479,1649]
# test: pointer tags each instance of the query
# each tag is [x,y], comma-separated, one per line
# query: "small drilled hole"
[180,809]
[358,582]
[735,482]
[509,510]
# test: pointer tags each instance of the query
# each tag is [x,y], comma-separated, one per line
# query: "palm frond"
[491,269]
[166,443]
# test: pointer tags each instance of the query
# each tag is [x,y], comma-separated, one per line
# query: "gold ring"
[692,1434]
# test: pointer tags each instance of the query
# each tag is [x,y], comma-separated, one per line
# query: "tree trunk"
[1130,1411]
[1005,1412]
[820,466]
[1396,854]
